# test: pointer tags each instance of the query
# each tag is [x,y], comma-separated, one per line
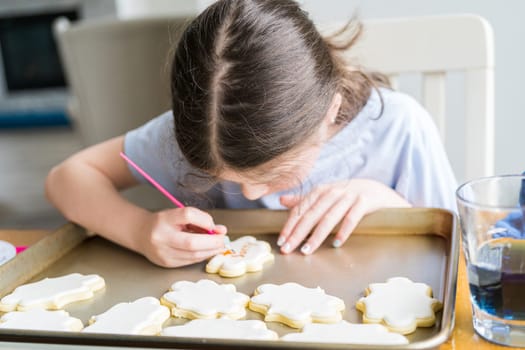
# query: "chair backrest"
[118,72]
[435,47]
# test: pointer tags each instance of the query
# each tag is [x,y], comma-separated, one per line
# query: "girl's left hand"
[326,206]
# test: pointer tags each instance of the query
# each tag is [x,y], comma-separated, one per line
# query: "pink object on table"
[20,248]
[156,184]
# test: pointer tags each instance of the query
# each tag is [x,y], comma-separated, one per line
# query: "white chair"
[434,47]
[118,71]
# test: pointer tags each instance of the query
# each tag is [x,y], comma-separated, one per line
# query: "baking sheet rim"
[447,318]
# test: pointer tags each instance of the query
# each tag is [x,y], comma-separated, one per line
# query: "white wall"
[509,31]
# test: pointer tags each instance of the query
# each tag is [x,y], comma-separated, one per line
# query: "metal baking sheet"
[421,244]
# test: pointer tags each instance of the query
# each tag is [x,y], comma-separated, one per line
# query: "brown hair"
[253,79]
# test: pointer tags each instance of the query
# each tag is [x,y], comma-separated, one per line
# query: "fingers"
[197,219]
[170,244]
[317,209]
[306,222]
[195,241]
[330,220]
[319,214]
[296,214]
[171,249]
[220,229]
[350,221]
[290,200]
[174,257]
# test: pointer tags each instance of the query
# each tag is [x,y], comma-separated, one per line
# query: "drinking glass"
[491,212]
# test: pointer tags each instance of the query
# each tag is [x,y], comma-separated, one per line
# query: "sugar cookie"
[222,329]
[399,304]
[41,320]
[143,316]
[249,255]
[52,293]
[296,305]
[205,299]
[347,333]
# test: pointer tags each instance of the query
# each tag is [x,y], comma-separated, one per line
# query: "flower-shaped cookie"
[205,299]
[143,316]
[52,293]
[399,304]
[249,255]
[41,320]
[222,329]
[347,333]
[296,305]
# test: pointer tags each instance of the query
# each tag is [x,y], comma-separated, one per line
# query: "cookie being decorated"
[143,316]
[296,305]
[41,320]
[205,299]
[347,333]
[222,329]
[399,304]
[52,293]
[247,255]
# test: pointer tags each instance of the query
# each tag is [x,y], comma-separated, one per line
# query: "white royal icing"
[7,252]
[222,329]
[249,255]
[347,333]
[297,303]
[41,320]
[52,293]
[207,299]
[143,316]
[399,303]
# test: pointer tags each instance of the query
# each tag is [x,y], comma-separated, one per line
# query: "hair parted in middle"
[253,79]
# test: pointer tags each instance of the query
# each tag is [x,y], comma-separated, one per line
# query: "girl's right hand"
[171,238]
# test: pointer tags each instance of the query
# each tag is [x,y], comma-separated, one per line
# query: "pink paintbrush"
[157,185]
[174,200]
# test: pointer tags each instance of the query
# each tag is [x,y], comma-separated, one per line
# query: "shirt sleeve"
[154,148]
[151,146]
[425,176]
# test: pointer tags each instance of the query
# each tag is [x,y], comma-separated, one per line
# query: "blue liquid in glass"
[497,280]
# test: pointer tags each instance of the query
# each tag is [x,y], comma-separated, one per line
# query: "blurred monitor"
[29,51]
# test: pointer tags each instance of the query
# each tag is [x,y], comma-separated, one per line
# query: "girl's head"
[255,87]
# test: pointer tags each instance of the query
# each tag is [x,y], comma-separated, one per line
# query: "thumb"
[289,200]
[220,229]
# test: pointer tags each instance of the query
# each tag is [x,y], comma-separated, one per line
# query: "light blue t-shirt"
[400,148]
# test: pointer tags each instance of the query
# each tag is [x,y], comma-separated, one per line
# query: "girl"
[265,114]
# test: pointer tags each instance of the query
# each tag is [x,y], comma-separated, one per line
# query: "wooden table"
[462,338]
